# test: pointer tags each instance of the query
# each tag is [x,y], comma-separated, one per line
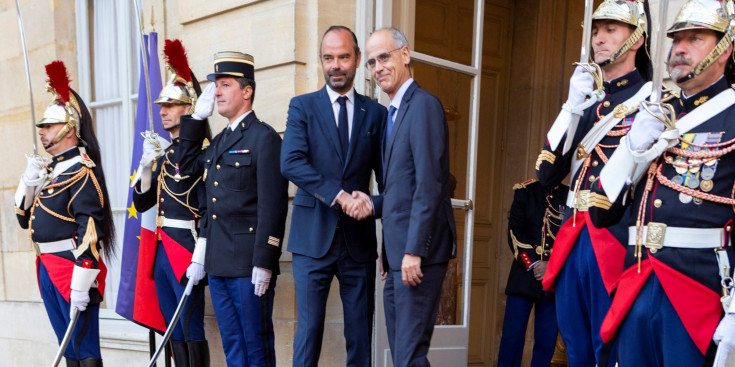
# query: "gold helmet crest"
[64,109]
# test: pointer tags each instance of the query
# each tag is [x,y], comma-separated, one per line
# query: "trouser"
[517,311]
[244,320]
[85,340]
[410,314]
[652,334]
[313,278]
[581,304]
[169,291]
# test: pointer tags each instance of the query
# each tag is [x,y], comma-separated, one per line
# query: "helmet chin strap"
[716,52]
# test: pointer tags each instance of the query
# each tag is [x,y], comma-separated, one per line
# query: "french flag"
[137,300]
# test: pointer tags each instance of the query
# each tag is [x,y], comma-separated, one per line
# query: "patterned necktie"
[342,128]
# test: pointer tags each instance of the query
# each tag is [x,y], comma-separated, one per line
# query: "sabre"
[584,56]
[67,336]
[28,76]
[659,53]
[145,66]
[172,324]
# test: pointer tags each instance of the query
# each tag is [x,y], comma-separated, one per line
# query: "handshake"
[357,205]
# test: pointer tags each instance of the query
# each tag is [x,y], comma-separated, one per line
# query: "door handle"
[462,204]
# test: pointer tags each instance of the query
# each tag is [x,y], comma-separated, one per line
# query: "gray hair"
[399,39]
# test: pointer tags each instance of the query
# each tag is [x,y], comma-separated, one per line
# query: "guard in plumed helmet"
[587,261]
[247,201]
[678,265]
[64,203]
[181,206]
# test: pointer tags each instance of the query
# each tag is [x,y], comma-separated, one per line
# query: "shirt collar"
[334,95]
[396,101]
[233,125]
[688,104]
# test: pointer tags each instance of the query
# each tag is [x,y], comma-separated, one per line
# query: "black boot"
[198,353]
[71,362]
[180,352]
[90,362]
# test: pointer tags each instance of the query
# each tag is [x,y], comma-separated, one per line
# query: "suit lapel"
[358,115]
[327,122]
[402,110]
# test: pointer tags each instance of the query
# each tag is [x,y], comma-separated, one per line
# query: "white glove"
[261,279]
[581,85]
[35,170]
[646,129]
[195,272]
[78,300]
[725,338]
[205,103]
[152,149]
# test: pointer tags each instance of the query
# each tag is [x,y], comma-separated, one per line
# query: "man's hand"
[78,300]
[357,205]
[383,273]
[725,338]
[261,278]
[411,270]
[539,270]
[580,86]
[151,150]
[34,167]
[646,130]
[205,103]
[195,272]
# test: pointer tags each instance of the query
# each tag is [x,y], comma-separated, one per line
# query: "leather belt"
[583,197]
[657,235]
[175,223]
[55,246]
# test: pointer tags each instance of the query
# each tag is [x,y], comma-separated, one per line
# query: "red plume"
[176,58]
[58,79]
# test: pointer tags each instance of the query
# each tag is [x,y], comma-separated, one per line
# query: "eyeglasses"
[382,58]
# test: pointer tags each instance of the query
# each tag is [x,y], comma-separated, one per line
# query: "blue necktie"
[391,111]
[342,128]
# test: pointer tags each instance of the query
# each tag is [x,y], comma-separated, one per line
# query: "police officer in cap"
[181,204]
[670,297]
[535,218]
[247,202]
[65,204]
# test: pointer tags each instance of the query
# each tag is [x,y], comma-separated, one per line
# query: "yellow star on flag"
[131,179]
[132,212]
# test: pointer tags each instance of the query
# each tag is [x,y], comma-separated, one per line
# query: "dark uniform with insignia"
[587,260]
[65,209]
[668,301]
[181,204]
[247,203]
[535,218]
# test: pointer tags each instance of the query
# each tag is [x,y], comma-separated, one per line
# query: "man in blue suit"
[330,148]
[419,235]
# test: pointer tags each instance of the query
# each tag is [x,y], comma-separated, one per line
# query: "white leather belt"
[56,246]
[175,223]
[657,235]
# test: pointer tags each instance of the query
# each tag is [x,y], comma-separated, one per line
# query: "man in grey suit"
[419,235]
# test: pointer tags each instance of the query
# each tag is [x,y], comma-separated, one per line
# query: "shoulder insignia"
[205,144]
[523,184]
[87,161]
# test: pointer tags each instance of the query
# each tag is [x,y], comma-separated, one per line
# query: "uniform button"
[237,164]
[161,199]
[161,212]
[33,217]
[171,151]
[218,166]
[216,183]
[606,104]
[251,229]
[37,205]
[214,200]
[657,203]
[592,178]
[32,231]
[595,163]
[214,216]
[602,117]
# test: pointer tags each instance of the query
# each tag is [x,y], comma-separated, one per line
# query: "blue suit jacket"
[312,159]
[415,204]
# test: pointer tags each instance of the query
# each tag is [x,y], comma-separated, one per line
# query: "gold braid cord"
[518,244]
[162,186]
